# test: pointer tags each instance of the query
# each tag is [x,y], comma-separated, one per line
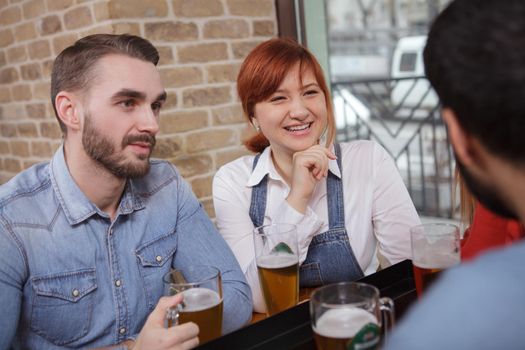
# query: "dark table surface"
[291,328]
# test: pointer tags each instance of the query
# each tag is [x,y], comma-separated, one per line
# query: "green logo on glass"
[366,339]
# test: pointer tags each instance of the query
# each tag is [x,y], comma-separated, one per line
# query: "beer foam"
[275,261]
[196,299]
[437,261]
[343,323]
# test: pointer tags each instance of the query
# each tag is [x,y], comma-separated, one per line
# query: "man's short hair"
[73,67]
[475,60]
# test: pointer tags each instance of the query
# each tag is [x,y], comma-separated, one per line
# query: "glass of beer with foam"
[435,247]
[276,255]
[202,303]
[349,315]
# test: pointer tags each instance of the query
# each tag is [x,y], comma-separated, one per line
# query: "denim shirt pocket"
[62,305]
[154,260]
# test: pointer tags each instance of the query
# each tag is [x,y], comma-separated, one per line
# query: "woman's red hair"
[263,71]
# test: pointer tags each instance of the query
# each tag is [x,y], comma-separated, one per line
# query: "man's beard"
[486,196]
[102,150]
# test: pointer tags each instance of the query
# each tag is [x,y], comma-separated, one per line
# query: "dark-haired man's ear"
[67,110]
[461,141]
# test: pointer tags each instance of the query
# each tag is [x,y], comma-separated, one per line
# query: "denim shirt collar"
[77,207]
[265,166]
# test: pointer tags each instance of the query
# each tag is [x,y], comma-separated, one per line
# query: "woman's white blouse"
[378,209]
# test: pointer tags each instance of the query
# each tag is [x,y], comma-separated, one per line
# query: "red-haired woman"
[348,200]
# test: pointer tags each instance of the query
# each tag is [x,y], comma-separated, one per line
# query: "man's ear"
[68,109]
[461,141]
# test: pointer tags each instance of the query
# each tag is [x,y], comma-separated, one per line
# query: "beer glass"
[277,259]
[202,303]
[435,247]
[349,315]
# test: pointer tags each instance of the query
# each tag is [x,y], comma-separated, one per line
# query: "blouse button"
[75,293]
[158,258]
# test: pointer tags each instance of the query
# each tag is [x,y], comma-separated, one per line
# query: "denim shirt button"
[118,283]
[158,258]
[75,293]
[122,330]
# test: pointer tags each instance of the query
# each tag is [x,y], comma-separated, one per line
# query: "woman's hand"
[154,336]
[309,167]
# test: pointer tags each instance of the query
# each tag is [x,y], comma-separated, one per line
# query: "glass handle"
[388,314]
[172,316]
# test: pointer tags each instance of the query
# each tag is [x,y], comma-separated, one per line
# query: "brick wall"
[201,42]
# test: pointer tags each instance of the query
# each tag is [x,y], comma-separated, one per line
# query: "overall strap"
[258,202]
[334,194]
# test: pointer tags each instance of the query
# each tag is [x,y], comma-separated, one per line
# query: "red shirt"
[487,231]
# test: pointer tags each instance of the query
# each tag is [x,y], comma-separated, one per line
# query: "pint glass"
[202,303]
[277,259]
[435,247]
[349,315]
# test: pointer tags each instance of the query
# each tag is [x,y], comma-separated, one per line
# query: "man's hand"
[154,336]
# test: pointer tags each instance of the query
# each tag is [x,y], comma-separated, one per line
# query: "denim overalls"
[330,257]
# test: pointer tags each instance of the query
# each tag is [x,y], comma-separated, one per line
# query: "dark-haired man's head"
[475,60]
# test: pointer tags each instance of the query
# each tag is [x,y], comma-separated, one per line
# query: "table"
[291,328]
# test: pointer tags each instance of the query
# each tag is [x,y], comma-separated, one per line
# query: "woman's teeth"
[298,127]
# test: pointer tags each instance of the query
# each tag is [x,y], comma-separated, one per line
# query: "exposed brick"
[104,28]
[8,130]
[53,5]
[47,67]
[41,149]
[171,31]
[25,31]
[137,8]
[4,147]
[36,110]
[183,76]
[78,17]
[101,11]
[27,130]
[224,157]
[12,165]
[50,130]
[33,8]
[255,8]
[242,49]
[210,139]
[20,148]
[222,73]
[50,25]
[171,101]
[17,54]
[166,55]
[63,41]
[203,52]
[6,37]
[41,91]
[263,28]
[193,165]
[39,49]
[167,147]
[228,28]
[15,111]
[29,163]
[5,94]
[126,28]
[31,71]
[21,92]
[183,121]
[202,186]
[197,8]
[228,115]
[208,207]
[3,3]
[206,97]
[10,15]
[8,75]
[3,58]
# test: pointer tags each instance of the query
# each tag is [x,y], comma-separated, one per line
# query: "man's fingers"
[158,315]
[183,333]
[190,344]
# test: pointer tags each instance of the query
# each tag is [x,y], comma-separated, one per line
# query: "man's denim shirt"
[71,278]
